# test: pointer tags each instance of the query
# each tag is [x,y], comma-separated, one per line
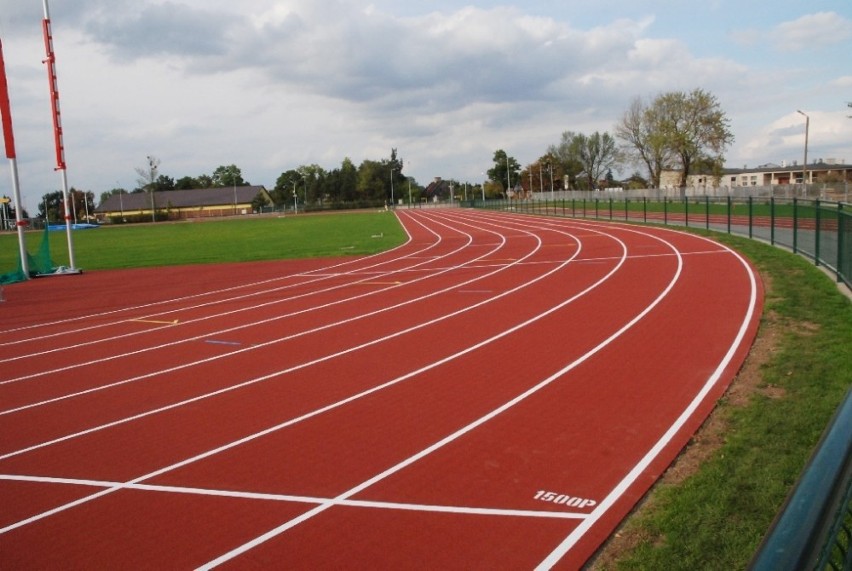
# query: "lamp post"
[391,177]
[805,165]
[152,166]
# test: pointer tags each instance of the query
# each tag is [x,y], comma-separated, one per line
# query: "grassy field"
[760,436]
[229,240]
[710,516]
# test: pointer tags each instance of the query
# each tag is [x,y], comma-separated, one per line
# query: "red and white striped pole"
[57,128]
[9,139]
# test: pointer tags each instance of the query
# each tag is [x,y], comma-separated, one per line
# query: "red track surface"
[497,393]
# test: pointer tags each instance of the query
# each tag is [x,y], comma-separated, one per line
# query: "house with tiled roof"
[181,204]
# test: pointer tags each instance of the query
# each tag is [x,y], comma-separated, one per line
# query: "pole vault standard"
[9,139]
[57,131]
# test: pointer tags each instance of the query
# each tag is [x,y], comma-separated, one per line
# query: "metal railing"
[814,528]
[820,230]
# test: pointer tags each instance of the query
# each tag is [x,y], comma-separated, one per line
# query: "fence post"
[816,231]
[772,220]
[665,211]
[730,207]
[751,217]
[795,225]
[706,212]
[645,209]
[841,227]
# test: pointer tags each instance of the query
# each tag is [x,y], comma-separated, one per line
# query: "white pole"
[9,142]
[19,219]
[60,151]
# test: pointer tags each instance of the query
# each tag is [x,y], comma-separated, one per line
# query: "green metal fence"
[818,230]
[814,529]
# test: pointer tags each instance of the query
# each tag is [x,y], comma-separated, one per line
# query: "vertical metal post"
[795,225]
[57,128]
[816,232]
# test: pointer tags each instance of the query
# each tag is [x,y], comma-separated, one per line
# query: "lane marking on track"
[321,410]
[226,313]
[220,342]
[307,274]
[315,500]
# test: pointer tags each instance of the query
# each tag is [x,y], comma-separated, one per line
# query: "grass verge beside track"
[714,505]
[217,241]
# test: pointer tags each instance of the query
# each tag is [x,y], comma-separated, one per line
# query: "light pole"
[152,166]
[805,165]
[391,177]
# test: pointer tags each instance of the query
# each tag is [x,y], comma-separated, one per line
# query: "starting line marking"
[292,498]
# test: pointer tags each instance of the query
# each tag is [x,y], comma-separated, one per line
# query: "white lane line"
[664,440]
[315,500]
[249,296]
[464,430]
[124,354]
[311,414]
[241,350]
[271,375]
[194,296]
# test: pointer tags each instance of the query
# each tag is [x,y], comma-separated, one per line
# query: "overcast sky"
[270,85]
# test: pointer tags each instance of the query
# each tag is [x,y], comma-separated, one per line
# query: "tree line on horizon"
[686,132]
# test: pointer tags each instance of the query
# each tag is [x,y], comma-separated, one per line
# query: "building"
[822,171]
[181,204]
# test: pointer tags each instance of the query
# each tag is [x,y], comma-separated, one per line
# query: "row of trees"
[687,132]
[679,131]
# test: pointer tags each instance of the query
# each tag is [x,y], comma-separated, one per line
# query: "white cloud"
[270,85]
[812,31]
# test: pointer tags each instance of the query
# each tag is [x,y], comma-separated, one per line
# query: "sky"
[270,85]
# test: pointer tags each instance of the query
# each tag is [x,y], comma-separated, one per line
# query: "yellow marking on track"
[155,321]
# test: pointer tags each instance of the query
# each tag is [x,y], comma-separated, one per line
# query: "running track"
[496,393]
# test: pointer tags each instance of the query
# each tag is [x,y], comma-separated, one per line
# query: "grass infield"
[216,241]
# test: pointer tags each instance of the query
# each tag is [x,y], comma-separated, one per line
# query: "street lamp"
[152,165]
[805,165]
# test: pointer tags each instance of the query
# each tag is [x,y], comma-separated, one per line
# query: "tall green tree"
[695,128]
[286,185]
[644,140]
[228,175]
[565,157]
[373,181]
[587,157]
[506,170]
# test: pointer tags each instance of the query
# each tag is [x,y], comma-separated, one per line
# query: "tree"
[643,139]
[186,183]
[348,180]
[148,175]
[51,206]
[229,175]
[373,181]
[590,156]
[285,186]
[694,128]
[506,170]
[565,159]
[164,182]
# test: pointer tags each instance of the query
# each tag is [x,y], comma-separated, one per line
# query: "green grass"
[717,518]
[231,240]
